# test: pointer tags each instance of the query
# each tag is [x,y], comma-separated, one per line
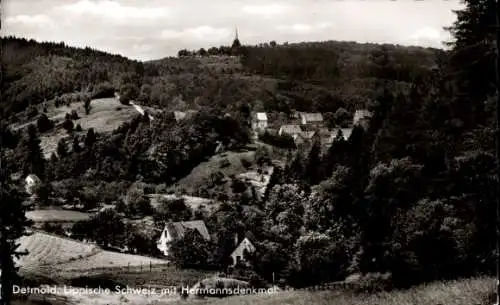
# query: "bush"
[128,92]
[74,115]
[44,123]
[224,163]
[103,90]
[78,127]
[32,111]
[283,141]
[370,282]
[53,228]
[68,125]
[246,163]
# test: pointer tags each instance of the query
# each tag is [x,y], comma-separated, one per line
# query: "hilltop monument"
[235,47]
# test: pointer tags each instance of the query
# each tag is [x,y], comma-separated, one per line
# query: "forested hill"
[309,76]
[34,71]
[331,62]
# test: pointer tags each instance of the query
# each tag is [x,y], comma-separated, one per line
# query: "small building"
[290,130]
[31,182]
[361,117]
[259,121]
[242,246]
[179,115]
[304,137]
[346,134]
[311,118]
[176,230]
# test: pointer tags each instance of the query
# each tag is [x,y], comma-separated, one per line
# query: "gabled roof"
[33,177]
[324,132]
[311,117]
[178,229]
[361,114]
[290,129]
[249,235]
[307,134]
[346,133]
[179,115]
[261,116]
[251,239]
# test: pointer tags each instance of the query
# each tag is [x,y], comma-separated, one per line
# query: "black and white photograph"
[226,152]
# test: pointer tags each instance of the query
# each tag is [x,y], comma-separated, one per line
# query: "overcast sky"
[151,29]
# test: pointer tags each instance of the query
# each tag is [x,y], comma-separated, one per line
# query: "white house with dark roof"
[290,130]
[361,117]
[179,115]
[242,245]
[31,182]
[176,230]
[259,121]
[311,118]
[346,134]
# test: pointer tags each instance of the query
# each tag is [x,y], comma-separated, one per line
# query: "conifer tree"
[472,60]
[13,225]
[313,168]
[33,161]
[90,138]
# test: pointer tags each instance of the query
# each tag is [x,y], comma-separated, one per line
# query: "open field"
[201,173]
[56,216]
[51,252]
[192,201]
[106,115]
[108,259]
[259,181]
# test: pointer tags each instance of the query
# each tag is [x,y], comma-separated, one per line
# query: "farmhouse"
[289,130]
[31,182]
[361,117]
[179,115]
[304,137]
[311,118]
[259,121]
[344,132]
[175,230]
[242,246]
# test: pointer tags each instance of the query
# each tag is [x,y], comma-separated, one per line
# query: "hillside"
[55,69]
[314,76]
[405,197]
[51,252]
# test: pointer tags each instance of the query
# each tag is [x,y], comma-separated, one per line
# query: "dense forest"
[413,195]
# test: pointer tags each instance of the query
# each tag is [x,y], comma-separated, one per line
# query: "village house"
[289,130]
[361,117]
[315,119]
[179,115]
[31,182]
[242,245]
[182,115]
[346,134]
[176,230]
[259,121]
[305,137]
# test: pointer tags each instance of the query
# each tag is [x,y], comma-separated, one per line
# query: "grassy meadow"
[473,291]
